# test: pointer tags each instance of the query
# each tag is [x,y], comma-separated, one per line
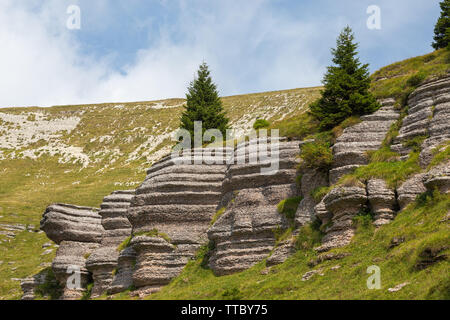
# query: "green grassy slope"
[422,225]
[102,148]
[93,151]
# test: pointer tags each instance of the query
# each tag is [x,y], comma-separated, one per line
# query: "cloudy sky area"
[136,50]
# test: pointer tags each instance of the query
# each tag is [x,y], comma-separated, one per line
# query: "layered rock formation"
[171,212]
[311,180]
[244,234]
[350,150]
[428,117]
[344,203]
[78,232]
[103,262]
[382,200]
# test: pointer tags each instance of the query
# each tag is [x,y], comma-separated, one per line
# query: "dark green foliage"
[441,30]
[317,155]
[203,104]
[346,84]
[261,124]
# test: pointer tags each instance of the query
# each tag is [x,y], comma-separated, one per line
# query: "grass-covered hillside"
[79,154]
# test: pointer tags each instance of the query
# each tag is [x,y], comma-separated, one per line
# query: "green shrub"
[317,155]
[261,124]
[288,207]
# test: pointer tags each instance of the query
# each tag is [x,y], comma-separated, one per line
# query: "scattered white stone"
[399,287]
[47,252]
[46,245]
[336,267]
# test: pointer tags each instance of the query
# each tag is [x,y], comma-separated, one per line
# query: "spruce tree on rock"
[441,30]
[204,104]
[346,84]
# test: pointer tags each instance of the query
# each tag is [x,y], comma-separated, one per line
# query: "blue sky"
[133,50]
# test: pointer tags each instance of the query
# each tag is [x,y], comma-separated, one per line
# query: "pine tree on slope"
[203,104]
[346,84]
[441,30]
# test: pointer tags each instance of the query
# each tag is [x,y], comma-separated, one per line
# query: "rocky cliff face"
[170,214]
[78,232]
[244,234]
[104,261]
[428,118]
[350,150]
[169,217]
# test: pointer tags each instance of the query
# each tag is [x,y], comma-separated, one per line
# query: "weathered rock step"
[195,198]
[110,206]
[180,186]
[337,173]
[119,197]
[249,169]
[173,177]
[346,146]
[75,211]
[188,169]
[228,248]
[114,212]
[362,138]
[428,89]
[172,213]
[256,180]
[350,158]
[116,223]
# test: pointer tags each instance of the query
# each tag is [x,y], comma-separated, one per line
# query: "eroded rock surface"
[428,117]
[438,178]
[350,150]
[78,232]
[311,180]
[103,262]
[170,214]
[344,203]
[382,201]
[244,234]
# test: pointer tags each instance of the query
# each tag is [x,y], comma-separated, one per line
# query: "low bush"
[261,124]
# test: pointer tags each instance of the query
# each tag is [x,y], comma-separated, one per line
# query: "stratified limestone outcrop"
[344,203]
[170,214]
[78,231]
[382,201]
[350,150]
[244,234]
[103,261]
[63,222]
[311,180]
[438,178]
[123,279]
[428,117]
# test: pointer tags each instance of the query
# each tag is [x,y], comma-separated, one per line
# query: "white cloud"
[249,45]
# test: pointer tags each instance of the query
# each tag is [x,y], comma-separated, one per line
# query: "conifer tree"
[346,84]
[441,30]
[204,104]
